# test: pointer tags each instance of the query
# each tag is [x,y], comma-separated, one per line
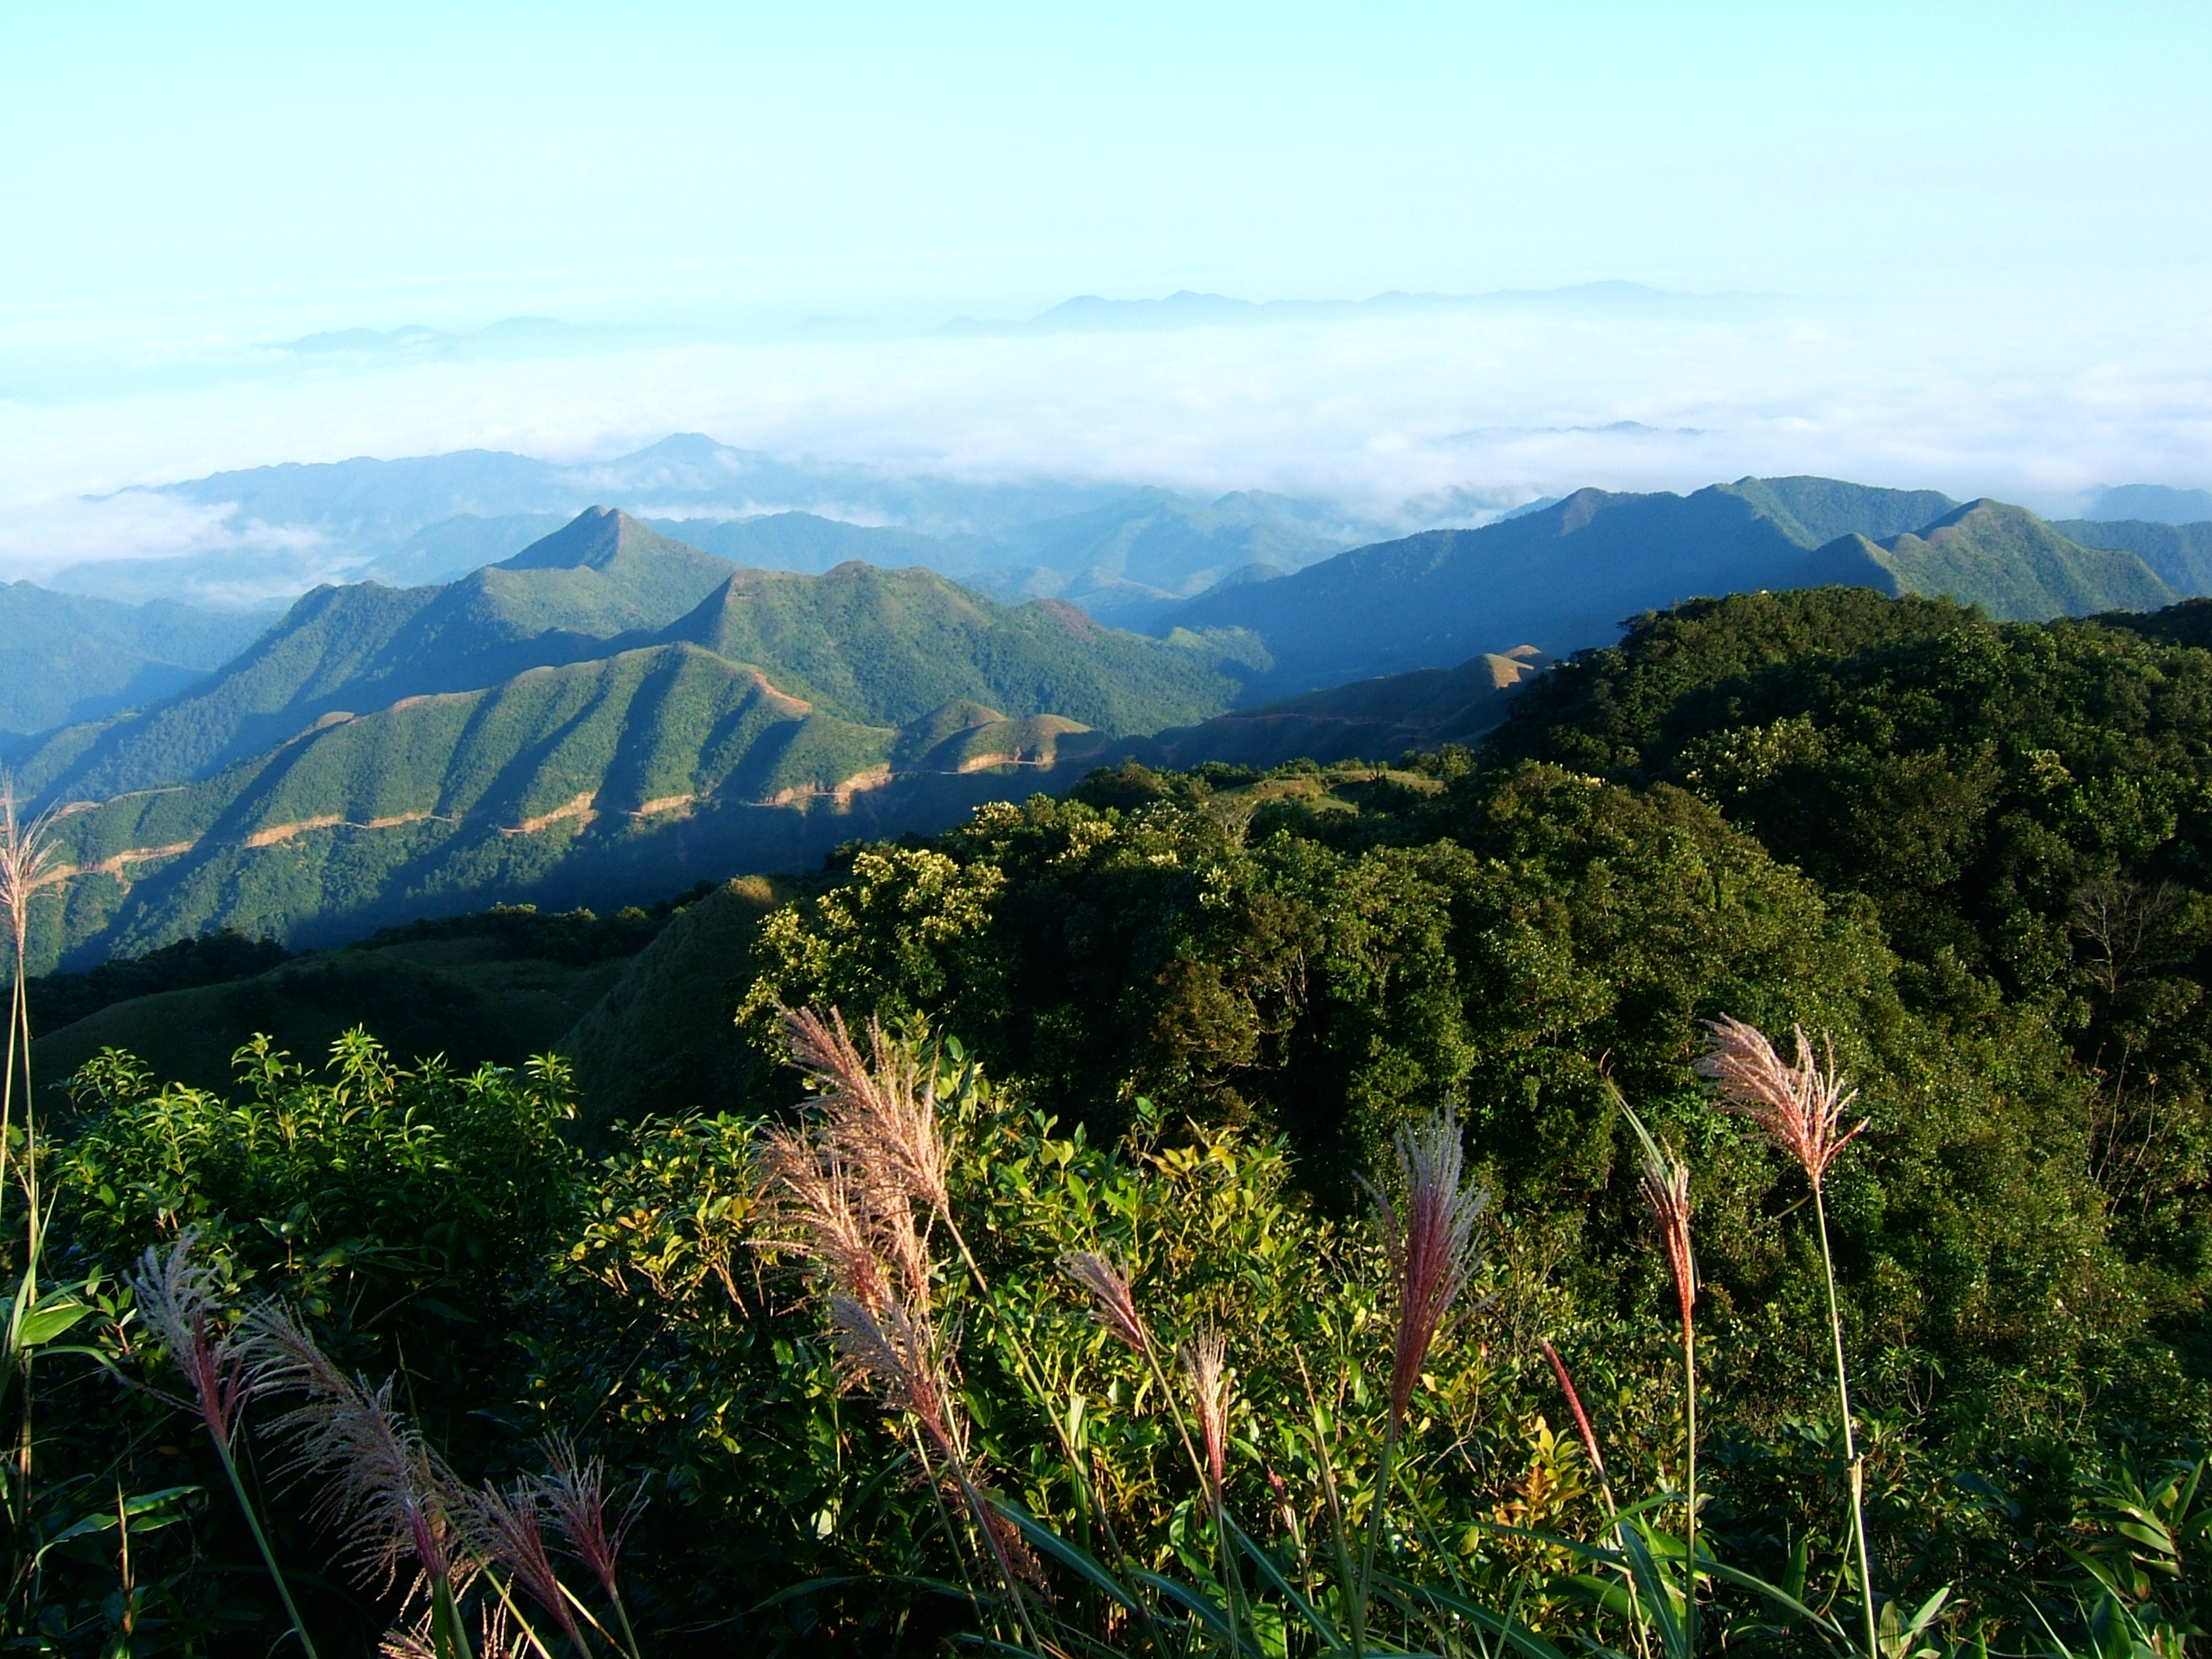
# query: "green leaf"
[1315,1620]
[1511,1631]
[1077,1560]
[45,1322]
[1657,1593]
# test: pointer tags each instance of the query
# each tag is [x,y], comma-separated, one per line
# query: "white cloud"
[38,536]
[2033,397]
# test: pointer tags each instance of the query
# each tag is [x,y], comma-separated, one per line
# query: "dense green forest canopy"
[1173,1015]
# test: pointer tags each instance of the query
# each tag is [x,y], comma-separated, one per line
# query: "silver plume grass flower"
[576,1491]
[376,1481]
[893,1353]
[1800,1108]
[1666,1183]
[1430,1244]
[878,1110]
[29,859]
[1205,1363]
[1113,1304]
[509,1528]
[181,1299]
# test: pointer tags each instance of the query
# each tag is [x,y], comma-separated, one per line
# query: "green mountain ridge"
[2013,565]
[891,644]
[387,752]
[1563,577]
[70,658]
[2180,553]
[352,649]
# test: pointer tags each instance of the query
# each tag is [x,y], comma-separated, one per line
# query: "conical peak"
[591,540]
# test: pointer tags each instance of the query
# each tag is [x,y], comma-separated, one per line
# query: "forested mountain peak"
[594,539]
[1567,575]
[1813,510]
[2016,566]
[889,646]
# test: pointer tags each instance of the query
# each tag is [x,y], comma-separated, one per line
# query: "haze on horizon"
[1965,248]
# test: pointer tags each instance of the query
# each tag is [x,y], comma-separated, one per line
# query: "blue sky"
[2009,202]
[454,163]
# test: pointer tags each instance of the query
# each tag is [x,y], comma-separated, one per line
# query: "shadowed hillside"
[1567,575]
[64,656]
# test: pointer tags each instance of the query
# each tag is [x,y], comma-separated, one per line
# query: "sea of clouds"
[1395,412]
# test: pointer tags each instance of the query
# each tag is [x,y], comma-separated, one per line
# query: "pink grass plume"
[1430,1244]
[1800,1108]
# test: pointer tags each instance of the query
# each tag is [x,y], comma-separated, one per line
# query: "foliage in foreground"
[614,1299]
[1197,1008]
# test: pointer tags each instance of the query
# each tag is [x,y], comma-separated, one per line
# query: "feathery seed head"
[1205,1363]
[1666,1185]
[28,860]
[180,1300]
[577,1490]
[509,1528]
[878,1110]
[1799,1108]
[892,1355]
[814,1206]
[378,1483]
[1114,1306]
[1430,1244]
[1575,1405]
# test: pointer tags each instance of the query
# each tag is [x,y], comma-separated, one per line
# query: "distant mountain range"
[2156,503]
[434,518]
[1091,313]
[1566,575]
[66,657]
[610,711]
[601,713]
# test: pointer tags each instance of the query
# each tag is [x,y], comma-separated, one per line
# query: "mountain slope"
[890,646]
[348,650]
[1818,510]
[1563,577]
[392,752]
[1376,720]
[603,781]
[365,820]
[664,1031]
[2180,553]
[2003,558]
[64,656]
[1558,578]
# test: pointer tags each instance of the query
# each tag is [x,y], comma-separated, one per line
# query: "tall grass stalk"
[177,1296]
[28,858]
[1430,1244]
[859,1190]
[1800,1108]
[1665,1182]
[1590,1448]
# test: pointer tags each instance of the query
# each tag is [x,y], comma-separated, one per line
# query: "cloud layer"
[2035,399]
